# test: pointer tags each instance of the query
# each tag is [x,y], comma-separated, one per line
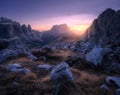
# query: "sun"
[79,29]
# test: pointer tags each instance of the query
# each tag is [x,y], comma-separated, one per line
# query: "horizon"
[43,14]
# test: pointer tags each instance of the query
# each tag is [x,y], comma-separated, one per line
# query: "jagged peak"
[107,12]
[4,20]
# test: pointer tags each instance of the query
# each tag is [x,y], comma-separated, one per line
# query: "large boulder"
[96,55]
[117,92]
[61,72]
[61,77]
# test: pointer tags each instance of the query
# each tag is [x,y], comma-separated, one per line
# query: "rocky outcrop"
[105,30]
[11,29]
[8,53]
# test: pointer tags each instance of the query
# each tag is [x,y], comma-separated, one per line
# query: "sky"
[43,14]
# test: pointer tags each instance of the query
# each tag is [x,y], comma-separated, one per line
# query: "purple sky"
[45,13]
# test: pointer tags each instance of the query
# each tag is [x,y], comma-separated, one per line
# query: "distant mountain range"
[14,33]
[105,30]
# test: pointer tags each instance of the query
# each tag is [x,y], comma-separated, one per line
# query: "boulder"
[62,79]
[13,66]
[113,80]
[104,87]
[45,67]
[17,68]
[61,72]
[96,55]
[117,92]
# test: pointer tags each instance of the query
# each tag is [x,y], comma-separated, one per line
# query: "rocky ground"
[86,80]
[59,65]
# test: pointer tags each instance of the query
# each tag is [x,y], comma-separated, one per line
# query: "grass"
[87,81]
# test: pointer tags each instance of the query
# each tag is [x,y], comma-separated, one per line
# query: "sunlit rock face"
[105,30]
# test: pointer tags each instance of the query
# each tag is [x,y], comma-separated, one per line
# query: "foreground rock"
[17,68]
[117,92]
[96,55]
[61,76]
[7,53]
[113,81]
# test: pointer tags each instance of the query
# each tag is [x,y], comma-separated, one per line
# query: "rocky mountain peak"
[105,30]
[61,27]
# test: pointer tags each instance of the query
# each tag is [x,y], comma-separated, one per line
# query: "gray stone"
[96,55]
[21,70]
[45,66]
[60,72]
[117,92]
[17,68]
[113,80]
[13,66]
[104,87]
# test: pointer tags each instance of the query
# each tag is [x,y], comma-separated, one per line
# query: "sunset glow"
[79,29]
[77,23]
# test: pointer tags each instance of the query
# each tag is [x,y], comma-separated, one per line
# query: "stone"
[96,55]
[113,80]
[117,92]
[104,87]
[61,72]
[16,67]
[13,66]
[45,66]
[21,70]
[61,77]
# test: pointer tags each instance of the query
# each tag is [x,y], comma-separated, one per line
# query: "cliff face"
[15,33]
[105,30]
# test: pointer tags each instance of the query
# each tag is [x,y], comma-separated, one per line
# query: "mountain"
[56,32]
[15,33]
[105,30]
[101,42]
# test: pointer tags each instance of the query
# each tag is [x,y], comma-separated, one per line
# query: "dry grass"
[86,81]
